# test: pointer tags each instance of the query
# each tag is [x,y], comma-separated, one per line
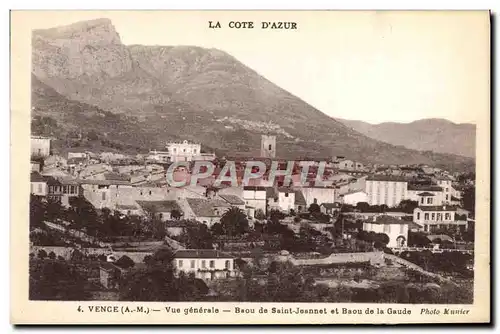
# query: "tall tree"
[234,222]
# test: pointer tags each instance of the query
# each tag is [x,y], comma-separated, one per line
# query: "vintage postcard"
[250,167]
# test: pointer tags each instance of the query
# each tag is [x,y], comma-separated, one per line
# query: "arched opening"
[401,241]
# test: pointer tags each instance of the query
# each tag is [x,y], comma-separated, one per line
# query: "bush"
[52,255]
[42,254]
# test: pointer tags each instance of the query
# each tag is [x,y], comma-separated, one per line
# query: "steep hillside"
[438,135]
[205,95]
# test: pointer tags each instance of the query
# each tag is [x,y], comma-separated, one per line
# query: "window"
[180,263]
[429,200]
[103,196]
[426,228]
[446,197]
[228,264]
[433,216]
[150,192]
[439,216]
[203,264]
[447,216]
[422,200]
[426,216]
[286,194]
[212,264]
[270,147]
[192,263]
[418,215]
[184,150]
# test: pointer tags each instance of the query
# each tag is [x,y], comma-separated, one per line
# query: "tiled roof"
[438,208]
[424,187]
[232,199]
[116,177]
[37,177]
[254,188]
[201,253]
[331,205]
[352,192]
[425,193]
[387,220]
[204,207]
[159,206]
[386,178]
[104,182]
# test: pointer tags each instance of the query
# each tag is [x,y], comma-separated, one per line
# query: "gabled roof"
[254,188]
[424,187]
[37,177]
[159,206]
[387,220]
[386,178]
[232,199]
[438,208]
[201,254]
[116,177]
[331,205]
[425,193]
[204,207]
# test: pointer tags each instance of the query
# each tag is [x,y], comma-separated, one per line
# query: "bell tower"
[268,146]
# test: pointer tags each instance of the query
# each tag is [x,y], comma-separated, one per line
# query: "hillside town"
[111,226]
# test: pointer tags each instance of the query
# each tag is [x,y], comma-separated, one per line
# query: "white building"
[432,218]
[386,190]
[38,184]
[353,197]
[183,151]
[318,195]
[349,165]
[396,229]
[206,264]
[255,197]
[40,146]
[414,193]
[282,199]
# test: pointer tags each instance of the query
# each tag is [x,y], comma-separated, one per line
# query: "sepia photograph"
[321,162]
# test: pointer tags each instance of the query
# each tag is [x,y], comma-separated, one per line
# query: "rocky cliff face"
[199,94]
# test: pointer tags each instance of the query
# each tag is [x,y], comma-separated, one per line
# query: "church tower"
[268,146]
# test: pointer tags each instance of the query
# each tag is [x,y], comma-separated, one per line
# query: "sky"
[370,66]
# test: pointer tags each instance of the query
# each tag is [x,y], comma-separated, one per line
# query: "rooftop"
[438,208]
[204,207]
[387,220]
[232,199]
[425,193]
[390,178]
[201,253]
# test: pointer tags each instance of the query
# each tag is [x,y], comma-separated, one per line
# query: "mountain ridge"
[206,95]
[429,134]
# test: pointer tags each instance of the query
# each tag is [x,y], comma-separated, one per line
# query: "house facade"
[433,218]
[354,197]
[40,146]
[206,264]
[255,197]
[386,190]
[396,229]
